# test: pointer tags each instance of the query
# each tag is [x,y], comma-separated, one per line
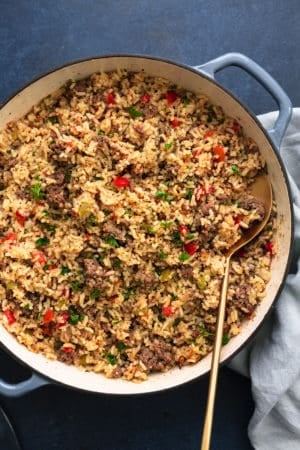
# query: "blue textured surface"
[37,36]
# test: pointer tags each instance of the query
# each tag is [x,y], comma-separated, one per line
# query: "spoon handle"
[214,371]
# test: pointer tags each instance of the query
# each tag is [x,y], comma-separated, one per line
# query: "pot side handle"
[24,387]
[265,79]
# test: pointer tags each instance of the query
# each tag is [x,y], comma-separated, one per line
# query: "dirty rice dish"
[119,195]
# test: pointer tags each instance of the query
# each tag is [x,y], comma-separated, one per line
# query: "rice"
[120,195]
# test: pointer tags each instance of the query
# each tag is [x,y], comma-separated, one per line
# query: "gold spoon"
[261,190]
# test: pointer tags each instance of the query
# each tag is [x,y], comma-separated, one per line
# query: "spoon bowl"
[261,190]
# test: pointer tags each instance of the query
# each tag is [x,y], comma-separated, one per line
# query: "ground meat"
[187,272]
[59,176]
[94,274]
[149,110]
[158,357]
[117,372]
[91,267]
[206,207]
[23,193]
[10,163]
[67,358]
[252,203]
[241,299]
[81,85]
[97,98]
[56,195]
[146,279]
[109,228]
[58,152]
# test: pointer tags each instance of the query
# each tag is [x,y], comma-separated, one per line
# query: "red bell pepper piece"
[168,311]
[121,182]
[48,316]
[219,152]
[175,123]
[110,99]
[191,248]
[38,256]
[183,229]
[10,317]
[171,97]
[10,237]
[145,98]
[21,218]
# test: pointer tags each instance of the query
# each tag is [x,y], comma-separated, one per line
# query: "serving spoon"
[261,190]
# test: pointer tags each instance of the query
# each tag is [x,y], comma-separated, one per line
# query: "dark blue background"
[36,36]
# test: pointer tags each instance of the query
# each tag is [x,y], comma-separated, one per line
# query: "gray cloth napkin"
[273,360]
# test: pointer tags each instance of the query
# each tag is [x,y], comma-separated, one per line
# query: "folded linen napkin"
[273,360]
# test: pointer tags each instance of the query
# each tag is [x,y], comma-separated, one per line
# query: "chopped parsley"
[49,227]
[75,317]
[112,242]
[185,101]
[112,359]
[117,264]
[184,256]
[173,296]
[65,270]
[225,339]
[101,133]
[176,238]
[162,255]
[121,346]
[53,119]
[91,221]
[77,286]
[134,112]
[46,213]
[41,242]
[189,194]
[162,195]
[36,191]
[128,292]
[235,169]
[95,293]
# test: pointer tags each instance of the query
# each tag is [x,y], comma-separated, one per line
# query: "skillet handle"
[24,387]
[265,79]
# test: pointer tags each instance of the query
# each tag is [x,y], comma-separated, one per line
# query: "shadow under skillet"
[57,418]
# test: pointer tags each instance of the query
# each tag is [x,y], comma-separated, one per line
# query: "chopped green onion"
[27,307]
[101,132]
[128,212]
[97,178]
[46,213]
[186,101]
[184,256]
[168,146]
[128,292]
[134,112]
[41,242]
[91,221]
[173,296]
[189,236]
[166,224]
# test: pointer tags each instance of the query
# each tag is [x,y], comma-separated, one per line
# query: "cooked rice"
[120,194]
